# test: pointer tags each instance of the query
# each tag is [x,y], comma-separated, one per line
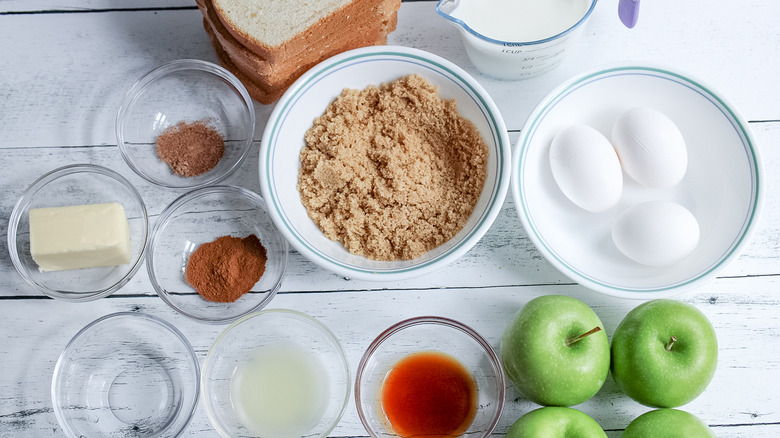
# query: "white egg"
[656,233]
[651,148]
[586,168]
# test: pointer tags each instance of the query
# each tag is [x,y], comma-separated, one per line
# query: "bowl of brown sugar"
[215,255]
[186,124]
[384,163]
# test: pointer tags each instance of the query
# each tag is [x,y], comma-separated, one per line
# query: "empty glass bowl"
[126,374]
[202,216]
[423,335]
[75,185]
[186,90]
[276,373]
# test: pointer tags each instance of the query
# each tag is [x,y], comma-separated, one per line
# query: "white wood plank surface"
[66,69]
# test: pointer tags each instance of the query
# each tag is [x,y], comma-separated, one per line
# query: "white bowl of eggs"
[637,181]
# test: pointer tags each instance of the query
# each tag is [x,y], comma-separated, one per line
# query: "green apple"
[668,423]
[555,351]
[664,353]
[555,422]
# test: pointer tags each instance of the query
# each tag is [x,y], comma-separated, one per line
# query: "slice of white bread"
[278,30]
[374,21]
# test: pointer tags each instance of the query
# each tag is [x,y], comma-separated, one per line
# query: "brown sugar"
[190,149]
[225,269]
[393,171]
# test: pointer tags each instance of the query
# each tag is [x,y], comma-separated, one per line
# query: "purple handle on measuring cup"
[628,11]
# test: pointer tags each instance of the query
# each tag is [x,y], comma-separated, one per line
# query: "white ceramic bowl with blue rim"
[723,186]
[307,99]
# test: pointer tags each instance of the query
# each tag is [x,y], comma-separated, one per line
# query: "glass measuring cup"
[513,59]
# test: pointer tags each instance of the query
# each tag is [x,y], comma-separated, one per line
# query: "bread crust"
[269,92]
[280,76]
[267,72]
[257,92]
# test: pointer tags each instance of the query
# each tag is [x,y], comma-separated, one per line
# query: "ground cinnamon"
[190,149]
[225,269]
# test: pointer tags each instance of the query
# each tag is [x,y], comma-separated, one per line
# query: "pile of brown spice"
[190,148]
[392,172]
[225,269]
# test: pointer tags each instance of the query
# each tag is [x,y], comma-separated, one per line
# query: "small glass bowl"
[126,374]
[430,334]
[75,185]
[202,216]
[272,332]
[187,90]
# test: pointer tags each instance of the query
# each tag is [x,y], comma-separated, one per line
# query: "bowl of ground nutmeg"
[215,255]
[384,163]
[186,124]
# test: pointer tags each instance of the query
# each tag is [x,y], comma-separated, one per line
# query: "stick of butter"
[79,236]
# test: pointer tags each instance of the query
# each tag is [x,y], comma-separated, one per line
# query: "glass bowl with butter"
[215,255]
[78,233]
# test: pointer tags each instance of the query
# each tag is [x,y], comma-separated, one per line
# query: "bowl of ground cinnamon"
[186,124]
[215,255]
[384,163]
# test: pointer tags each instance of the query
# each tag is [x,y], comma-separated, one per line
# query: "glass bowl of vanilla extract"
[431,376]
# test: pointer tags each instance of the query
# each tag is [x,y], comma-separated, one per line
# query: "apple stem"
[672,340]
[571,341]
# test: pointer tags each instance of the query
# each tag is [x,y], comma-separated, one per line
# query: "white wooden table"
[65,66]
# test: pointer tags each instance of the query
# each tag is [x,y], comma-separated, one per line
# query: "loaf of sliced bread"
[268,44]
[375,22]
[279,29]
[278,75]
[258,87]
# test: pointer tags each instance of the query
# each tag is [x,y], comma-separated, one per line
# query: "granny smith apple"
[555,351]
[664,353]
[555,422]
[668,423]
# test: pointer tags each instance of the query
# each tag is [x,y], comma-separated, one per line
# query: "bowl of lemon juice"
[276,373]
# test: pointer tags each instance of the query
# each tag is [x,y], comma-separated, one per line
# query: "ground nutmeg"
[190,148]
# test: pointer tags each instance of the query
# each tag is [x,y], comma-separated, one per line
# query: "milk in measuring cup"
[520,20]
[517,39]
